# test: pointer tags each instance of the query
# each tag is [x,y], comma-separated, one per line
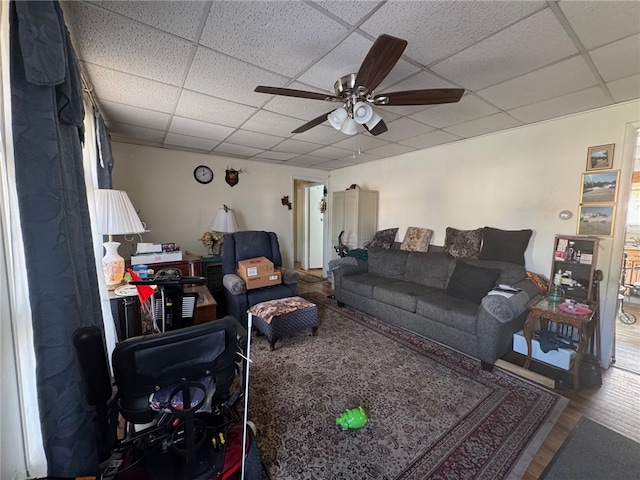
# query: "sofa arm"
[289,276]
[505,309]
[234,284]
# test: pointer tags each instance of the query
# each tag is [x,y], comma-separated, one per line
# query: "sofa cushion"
[431,269]
[362,283]
[470,282]
[402,294]
[510,273]
[387,262]
[384,238]
[463,243]
[504,245]
[442,308]
[416,239]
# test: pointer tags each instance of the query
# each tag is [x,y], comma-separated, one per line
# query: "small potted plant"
[210,239]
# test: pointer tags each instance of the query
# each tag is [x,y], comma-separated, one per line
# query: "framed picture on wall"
[596,220]
[600,187]
[600,157]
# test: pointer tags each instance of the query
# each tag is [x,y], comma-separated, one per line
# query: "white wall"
[521,178]
[175,208]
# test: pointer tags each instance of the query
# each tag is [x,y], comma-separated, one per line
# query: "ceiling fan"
[356,92]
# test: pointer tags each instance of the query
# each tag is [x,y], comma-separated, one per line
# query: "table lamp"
[224,222]
[116,216]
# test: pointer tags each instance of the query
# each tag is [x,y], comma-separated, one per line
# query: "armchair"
[250,244]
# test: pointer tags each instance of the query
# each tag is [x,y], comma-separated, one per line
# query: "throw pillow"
[416,239]
[471,283]
[384,238]
[463,243]
[540,281]
[504,245]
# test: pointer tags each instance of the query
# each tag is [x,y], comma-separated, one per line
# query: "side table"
[541,311]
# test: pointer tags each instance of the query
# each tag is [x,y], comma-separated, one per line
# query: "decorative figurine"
[352,418]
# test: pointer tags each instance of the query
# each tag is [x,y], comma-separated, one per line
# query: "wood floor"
[627,353]
[616,404]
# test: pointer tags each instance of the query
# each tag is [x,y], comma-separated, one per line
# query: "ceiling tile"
[201,144]
[403,128]
[281,156]
[307,160]
[553,81]
[213,110]
[390,150]
[482,126]
[587,99]
[331,152]
[618,60]
[119,113]
[509,53]
[333,165]
[323,133]
[178,17]
[237,150]
[468,108]
[436,30]
[625,88]
[157,56]
[196,128]
[359,158]
[131,131]
[135,141]
[361,141]
[430,139]
[140,92]
[252,139]
[352,11]
[599,23]
[272,123]
[282,37]
[296,146]
[302,108]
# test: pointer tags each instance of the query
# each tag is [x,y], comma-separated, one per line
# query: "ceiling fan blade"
[382,57]
[290,92]
[313,123]
[380,127]
[420,97]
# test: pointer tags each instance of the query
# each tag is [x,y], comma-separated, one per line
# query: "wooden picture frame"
[596,220]
[600,157]
[599,187]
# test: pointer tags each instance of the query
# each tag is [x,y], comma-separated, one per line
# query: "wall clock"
[203,174]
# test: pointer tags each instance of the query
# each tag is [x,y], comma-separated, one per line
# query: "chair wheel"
[627,318]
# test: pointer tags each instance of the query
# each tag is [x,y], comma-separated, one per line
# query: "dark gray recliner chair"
[240,246]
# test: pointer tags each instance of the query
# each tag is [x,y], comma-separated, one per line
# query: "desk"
[542,311]
[127,317]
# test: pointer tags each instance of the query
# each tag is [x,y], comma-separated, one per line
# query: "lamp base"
[112,265]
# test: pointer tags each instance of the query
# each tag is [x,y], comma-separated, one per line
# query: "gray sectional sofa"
[440,297]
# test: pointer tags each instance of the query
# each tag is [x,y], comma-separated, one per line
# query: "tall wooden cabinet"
[577,257]
[356,213]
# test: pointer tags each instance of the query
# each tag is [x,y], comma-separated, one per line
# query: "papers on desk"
[504,290]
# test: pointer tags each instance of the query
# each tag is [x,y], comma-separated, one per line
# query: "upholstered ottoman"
[284,316]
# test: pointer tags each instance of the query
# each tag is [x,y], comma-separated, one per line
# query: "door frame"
[299,218]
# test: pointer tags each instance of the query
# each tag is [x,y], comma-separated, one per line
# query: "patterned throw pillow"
[540,281]
[463,243]
[384,238]
[416,239]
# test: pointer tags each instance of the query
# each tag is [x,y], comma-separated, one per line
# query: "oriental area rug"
[433,413]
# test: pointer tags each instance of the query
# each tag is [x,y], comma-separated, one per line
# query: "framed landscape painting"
[596,220]
[600,187]
[600,157]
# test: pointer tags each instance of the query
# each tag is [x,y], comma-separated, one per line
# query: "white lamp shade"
[362,112]
[350,127]
[116,215]
[337,117]
[224,221]
[373,121]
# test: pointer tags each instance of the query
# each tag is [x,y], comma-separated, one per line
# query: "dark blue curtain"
[46,101]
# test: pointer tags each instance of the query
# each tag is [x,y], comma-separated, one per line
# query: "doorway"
[627,323]
[309,226]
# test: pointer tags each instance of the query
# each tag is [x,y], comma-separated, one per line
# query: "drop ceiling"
[181,75]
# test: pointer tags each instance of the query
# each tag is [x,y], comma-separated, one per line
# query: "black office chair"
[174,390]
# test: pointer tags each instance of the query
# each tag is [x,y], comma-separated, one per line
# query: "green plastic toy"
[352,418]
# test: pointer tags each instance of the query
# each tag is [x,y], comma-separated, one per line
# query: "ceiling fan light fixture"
[373,121]
[350,127]
[362,112]
[337,117]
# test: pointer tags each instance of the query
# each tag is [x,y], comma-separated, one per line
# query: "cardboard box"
[561,358]
[253,267]
[156,258]
[266,280]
